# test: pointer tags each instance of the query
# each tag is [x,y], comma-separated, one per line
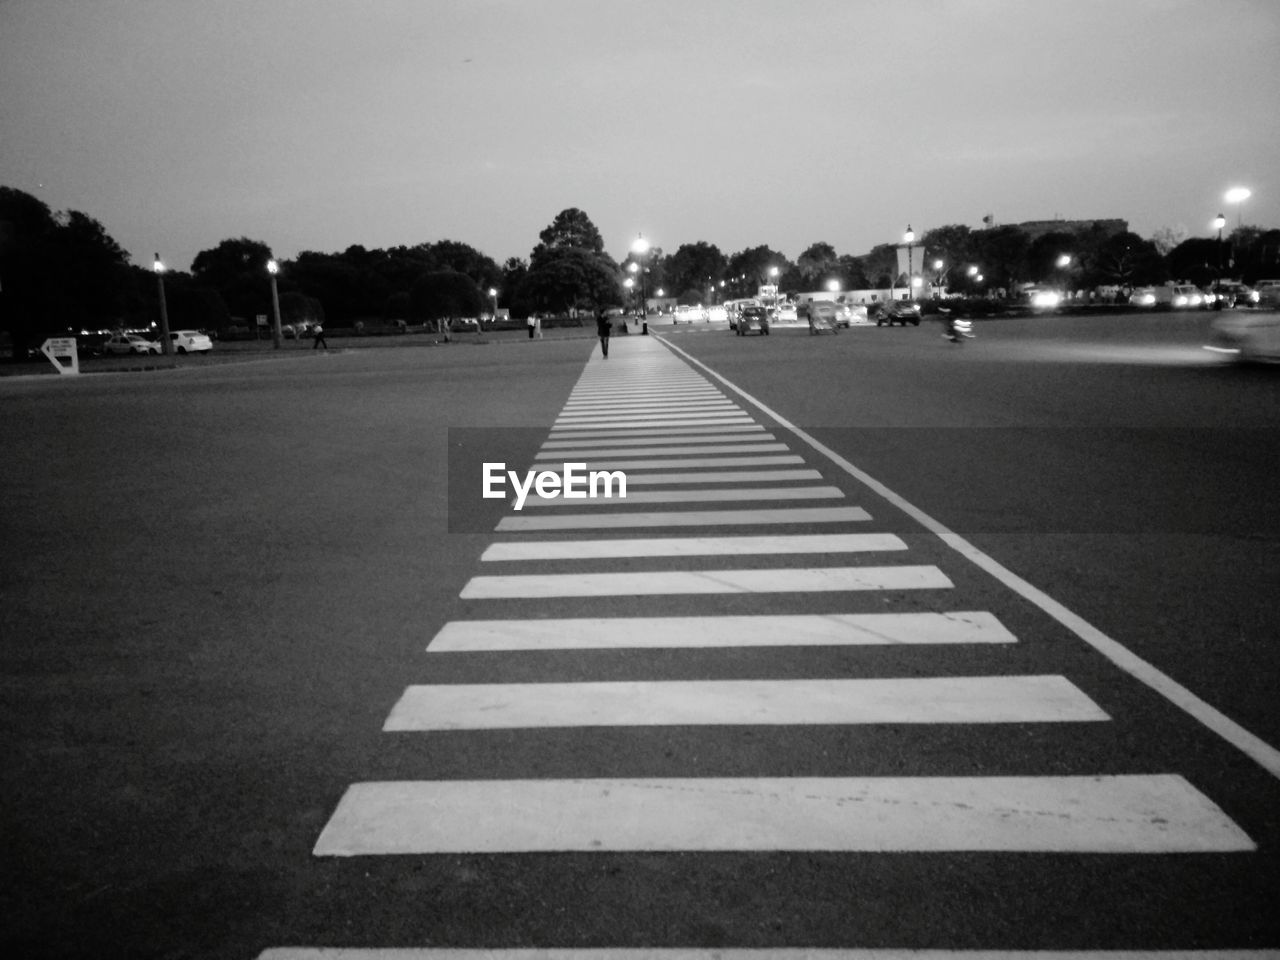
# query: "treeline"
[62,271]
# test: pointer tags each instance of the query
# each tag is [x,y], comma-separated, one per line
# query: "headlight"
[1146,300]
[1045,298]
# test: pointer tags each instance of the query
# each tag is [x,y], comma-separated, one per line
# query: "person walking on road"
[318,334]
[532,323]
[604,329]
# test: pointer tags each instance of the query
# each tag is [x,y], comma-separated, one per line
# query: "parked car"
[1178,296]
[897,311]
[1248,337]
[753,318]
[1268,292]
[190,341]
[121,343]
[1231,293]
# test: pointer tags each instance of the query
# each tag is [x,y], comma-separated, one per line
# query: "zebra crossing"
[744,519]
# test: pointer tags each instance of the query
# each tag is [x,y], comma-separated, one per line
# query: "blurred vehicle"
[897,311]
[689,315]
[786,313]
[733,308]
[1043,298]
[1231,293]
[1268,292]
[92,344]
[825,315]
[190,341]
[1178,296]
[1252,337]
[120,343]
[754,317]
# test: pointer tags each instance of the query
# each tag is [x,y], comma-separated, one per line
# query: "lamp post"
[276,338]
[938,273]
[1063,261]
[165,344]
[1219,221]
[641,247]
[493,292]
[634,269]
[910,238]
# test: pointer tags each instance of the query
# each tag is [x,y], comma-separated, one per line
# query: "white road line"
[723,476]
[582,443]
[612,405]
[671,451]
[667,464]
[741,953]
[650,423]
[683,518]
[774,630]
[671,582]
[1159,813]
[692,546]
[1263,753]
[716,495]
[570,434]
[672,417]
[673,703]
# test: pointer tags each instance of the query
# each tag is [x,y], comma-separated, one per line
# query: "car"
[753,317]
[1179,296]
[825,315]
[190,341]
[1252,337]
[121,343]
[1268,292]
[689,315]
[1231,293]
[897,311]
[1044,298]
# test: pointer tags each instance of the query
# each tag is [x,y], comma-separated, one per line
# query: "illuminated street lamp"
[165,343]
[1238,195]
[833,285]
[909,237]
[640,248]
[493,292]
[276,337]
[1219,222]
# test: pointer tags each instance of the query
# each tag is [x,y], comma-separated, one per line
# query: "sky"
[318,124]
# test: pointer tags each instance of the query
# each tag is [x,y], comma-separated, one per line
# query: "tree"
[818,264]
[1166,238]
[1044,252]
[1126,259]
[443,296]
[570,230]
[1002,254]
[237,269]
[881,265]
[692,268]
[748,269]
[571,280]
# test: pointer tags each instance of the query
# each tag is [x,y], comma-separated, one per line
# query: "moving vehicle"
[897,311]
[1252,337]
[1230,293]
[1179,296]
[824,316]
[689,315]
[122,343]
[754,317]
[190,341]
[733,309]
[1268,292]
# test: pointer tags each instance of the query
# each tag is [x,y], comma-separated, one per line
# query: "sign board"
[59,348]
[262,319]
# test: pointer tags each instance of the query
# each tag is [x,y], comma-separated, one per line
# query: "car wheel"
[182,349]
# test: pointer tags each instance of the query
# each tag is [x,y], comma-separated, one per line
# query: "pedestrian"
[318,334]
[532,323]
[603,328]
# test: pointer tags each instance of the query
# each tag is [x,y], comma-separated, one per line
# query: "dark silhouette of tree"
[748,269]
[237,269]
[818,264]
[443,296]
[571,280]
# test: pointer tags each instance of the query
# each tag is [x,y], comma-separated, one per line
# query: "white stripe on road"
[725,476]
[683,518]
[567,435]
[670,582]
[716,495]
[1156,813]
[775,630]
[653,421]
[739,447]
[692,462]
[692,546]
[673,703]
[614,419]
[582,442]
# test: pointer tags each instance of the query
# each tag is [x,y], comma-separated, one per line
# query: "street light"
[1238,195]
[1219,221]
[273,268]
[493,292]
[910,238]
[634,268]
[641,247]
[165,343]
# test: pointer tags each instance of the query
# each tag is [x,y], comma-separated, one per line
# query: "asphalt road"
[220,580]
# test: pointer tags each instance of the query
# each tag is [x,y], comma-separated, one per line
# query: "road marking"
[1159,813]
[667,464]
[669,451]
[683,582]
[725,476]
[682,518]
[613,419]
[583,443]
[568,434]
[909,700]
[775,630]
[1263,753]
[692,546]
[716,495]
